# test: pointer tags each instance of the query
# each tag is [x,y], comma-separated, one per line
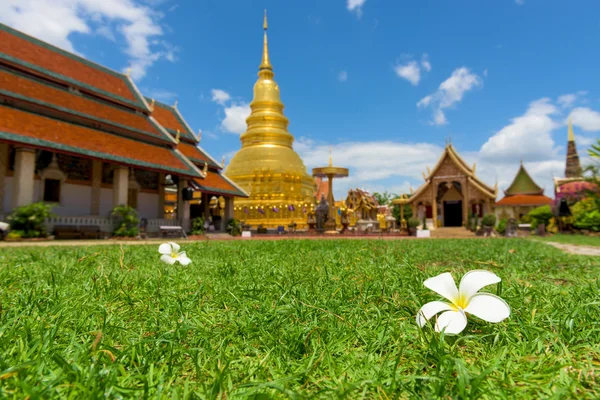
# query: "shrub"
[540,215]
[488,220]
[30,219]
[586,215]
[501,228]
[234,227]
[413,222]
[197,226]
[126,221]
[424,227]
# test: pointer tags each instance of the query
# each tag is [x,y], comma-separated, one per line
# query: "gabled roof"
[197,155]
[456,159]
[24,127]
[216,183]
[43,59]
[170,118]
[55,99]
[523,184]
[524,200]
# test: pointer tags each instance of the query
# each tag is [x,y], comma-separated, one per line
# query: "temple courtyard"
[294,319]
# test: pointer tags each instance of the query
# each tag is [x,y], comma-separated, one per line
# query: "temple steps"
[452,232]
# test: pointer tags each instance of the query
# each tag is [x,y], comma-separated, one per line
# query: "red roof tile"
[168,118]
[195,154]
[19,46]
[23,127]
[216,184]
[63,98]
[525,200]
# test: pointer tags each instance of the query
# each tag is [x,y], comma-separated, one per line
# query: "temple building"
[451,193]
[82,137]
[267,167]
[573,185]
[522,196]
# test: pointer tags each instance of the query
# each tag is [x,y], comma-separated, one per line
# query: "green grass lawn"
[293,319]
[580,240]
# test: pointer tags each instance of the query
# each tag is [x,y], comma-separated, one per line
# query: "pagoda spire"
[266,63]
[573,167]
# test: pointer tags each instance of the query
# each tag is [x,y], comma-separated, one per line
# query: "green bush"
[197,226]
[234,227]
[30,220]
[126,221]
[413,222]
[540,215]
[586,215]
[488,220]
[501,228]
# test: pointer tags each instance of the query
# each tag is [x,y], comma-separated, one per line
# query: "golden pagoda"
[267,167]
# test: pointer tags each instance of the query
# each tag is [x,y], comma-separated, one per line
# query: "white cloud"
[586,119]
[409,71]
[220,96]
[450,92]
[55,21]
[485,73]
[566,100]
[527,137]
[355,6]
[425,62]
[343,76]
[520,2]
[160,95]
[235,118]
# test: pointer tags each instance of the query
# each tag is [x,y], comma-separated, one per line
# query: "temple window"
[52,191]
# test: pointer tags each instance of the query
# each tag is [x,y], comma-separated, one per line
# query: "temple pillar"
[23,177]
[120,186]
[434,206]
[3,169]
[228,210]
[206,205]
[96,187]
[161,195]
[183,207]
[466,202]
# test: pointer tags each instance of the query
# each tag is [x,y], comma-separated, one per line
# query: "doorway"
[453,213]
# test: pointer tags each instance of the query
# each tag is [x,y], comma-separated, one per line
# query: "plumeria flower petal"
[451,322]
[463,301]
[171,255]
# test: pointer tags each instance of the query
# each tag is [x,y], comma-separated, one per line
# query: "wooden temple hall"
[451,193]
[83,137]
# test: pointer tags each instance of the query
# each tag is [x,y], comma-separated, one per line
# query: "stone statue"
[322,211]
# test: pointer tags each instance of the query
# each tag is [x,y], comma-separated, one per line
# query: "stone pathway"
[574,249]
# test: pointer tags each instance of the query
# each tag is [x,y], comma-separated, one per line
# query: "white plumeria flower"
[170,254]
[464,300]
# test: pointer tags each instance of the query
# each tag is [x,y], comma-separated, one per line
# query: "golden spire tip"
[265,24]
[571,134]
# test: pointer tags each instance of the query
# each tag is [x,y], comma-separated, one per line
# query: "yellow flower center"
[461,302]
[174,255]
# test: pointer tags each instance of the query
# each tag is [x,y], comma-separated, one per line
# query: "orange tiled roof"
[216,184]
[322,188]
[168,118]
[525,200]
[31,88]
[195,154]
[31,53]
[44,132]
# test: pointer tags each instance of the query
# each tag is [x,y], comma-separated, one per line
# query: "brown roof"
[217,184]
[195,154]
[43,58]
[322,188]
[525,200]
[44,132]
[169,117]
[76,103]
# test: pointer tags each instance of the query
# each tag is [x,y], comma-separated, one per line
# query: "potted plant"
[412,226]
[488,222]
[234,228]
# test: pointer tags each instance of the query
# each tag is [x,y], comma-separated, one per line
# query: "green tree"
[396,210]
[384,198]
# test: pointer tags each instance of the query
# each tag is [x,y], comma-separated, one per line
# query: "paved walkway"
[574,249]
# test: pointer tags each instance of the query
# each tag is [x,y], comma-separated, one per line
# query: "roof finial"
[223,162]
[266,63]
[175,105]
[205,169]
[199,135]
[178,136]
[330,156]
[152,104]
[128,73]
[571,134]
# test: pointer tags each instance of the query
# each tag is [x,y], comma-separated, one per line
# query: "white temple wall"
[6,208]
[106,202]
[76,200]
[147,205]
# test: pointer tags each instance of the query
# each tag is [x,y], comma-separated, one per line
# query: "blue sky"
[385,83]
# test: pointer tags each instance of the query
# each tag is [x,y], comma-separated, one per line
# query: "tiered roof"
[523,191]
[53,99]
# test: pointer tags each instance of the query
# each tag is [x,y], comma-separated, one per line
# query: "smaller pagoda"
[522,196]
